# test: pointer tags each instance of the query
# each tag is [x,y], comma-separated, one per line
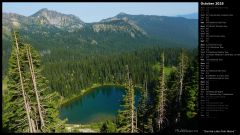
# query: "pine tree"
[126,120]
[142,109]
[16,110]
[28,104]
[45,102]
[160,98]
[183,64]
[191,89]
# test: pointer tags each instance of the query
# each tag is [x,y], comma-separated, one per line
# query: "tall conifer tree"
[160,97]
[28,106]
[126,120]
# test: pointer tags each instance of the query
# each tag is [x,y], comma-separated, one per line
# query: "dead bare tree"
[161,91]
[131,90]
[31,67]
[181,72]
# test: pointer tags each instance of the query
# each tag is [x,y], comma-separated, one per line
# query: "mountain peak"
[45,16]
[43,9]
[44,12]
[122,14]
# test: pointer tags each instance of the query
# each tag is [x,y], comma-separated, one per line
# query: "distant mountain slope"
[190,16]
[175,29]
[49,31]
[170,29]
[45,21]
[53,32]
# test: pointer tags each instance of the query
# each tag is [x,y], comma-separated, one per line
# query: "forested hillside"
[76,73]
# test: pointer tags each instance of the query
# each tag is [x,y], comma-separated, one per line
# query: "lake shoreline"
[85,91]
[89,89]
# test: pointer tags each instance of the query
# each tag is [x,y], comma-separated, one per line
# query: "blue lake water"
[99,104]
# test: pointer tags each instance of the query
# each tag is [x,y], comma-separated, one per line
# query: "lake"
[97,105]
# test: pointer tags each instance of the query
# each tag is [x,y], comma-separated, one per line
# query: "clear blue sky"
[93,12]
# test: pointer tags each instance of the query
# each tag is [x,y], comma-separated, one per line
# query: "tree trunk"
[35,86]
[181,74]
[132,107]
[136,122]
[131,88]
[181,79]
[161,109]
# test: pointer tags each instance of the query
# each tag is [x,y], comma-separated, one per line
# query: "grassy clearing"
[84,128]
[167,70]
